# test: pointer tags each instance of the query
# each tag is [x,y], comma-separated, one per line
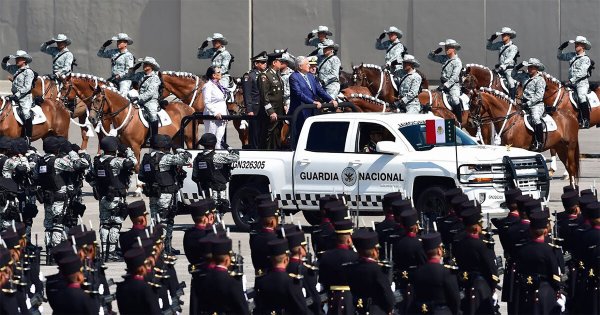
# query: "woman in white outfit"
[214,104]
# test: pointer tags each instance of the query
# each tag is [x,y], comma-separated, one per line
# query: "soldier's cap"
[323,29]
[343,227]
[19,146]
[334,203]
[62,38]
[5,142]
[470,216]
[585,200]
[588,191]
[109,144]
[532,206]
[69,265]
[123,36]
[312,60]
[569,199]
[431,241]
[62,250]
[204,246]
[278,247]
[80,228]
[20,229]
[409,217]
[394,29]
[570,188]
[521,200]
[134,258]
[274,56]
[328,43]
[201,208]
[338,212]
[221,246]
[51,144]
[5,258]
[262,197]
[592,211]
[510,195]
[364,239]
[65,145]
[326,199]
[268,209]
[389,198]
[410,59]
[457,202]
[285,229]
[85,238]
[162,141]
[11,238]
[508,31]
[451,193]
[538,220]
[219,37]
[399,206]
[8,185]
[288,58]
[534,62]
[136,209]
[208,139]
[261,57]
[582,40]
[149,61]
[22,54]
[450,43]
[295,239]
[147,246]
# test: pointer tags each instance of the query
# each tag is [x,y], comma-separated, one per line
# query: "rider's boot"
[28,129]
[153,132]
[457,110]
[512,93]
[538,138]
[584,109]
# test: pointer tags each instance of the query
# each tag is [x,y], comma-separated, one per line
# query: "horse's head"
[366,75]
[469,82]
[68,92]
[96,106]
[553,86]
[476,108]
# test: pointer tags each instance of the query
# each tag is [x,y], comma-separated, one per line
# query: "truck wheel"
[243,209]
[432,204]
[313,217]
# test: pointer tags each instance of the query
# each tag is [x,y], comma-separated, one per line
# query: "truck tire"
[243,209]
[431,204]
[313,217]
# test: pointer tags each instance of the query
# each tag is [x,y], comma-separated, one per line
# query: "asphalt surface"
[589,173]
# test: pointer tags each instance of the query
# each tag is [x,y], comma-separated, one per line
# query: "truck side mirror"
[388,147]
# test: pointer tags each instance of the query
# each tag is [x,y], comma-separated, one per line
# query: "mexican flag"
[439,131]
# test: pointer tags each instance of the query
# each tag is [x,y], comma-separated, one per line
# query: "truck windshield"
[415,134]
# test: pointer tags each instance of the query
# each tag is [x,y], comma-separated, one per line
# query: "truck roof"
[384,117]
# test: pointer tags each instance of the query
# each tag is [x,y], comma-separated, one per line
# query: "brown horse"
[379,81]
[108,104]
[509,121]
[485,77]
[346,79]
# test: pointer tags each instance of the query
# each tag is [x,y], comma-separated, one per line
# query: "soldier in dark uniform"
[537,270]
[139,217]
[399,207]
[325,230]
[327,238]
[386,227]
[73,299]
[268,212]
[11,241]
[436,288]
[445,222]
[590,242]
[370,286]
[200,272]
[271,104]
[8,297]
[223,293]
[335,282]
[408,255]
[478,273]
[278,292]
[252,97]
[302,270]
[135,295]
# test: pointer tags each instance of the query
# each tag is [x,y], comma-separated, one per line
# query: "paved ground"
[590,172]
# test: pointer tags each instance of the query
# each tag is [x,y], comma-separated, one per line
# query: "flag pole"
[455,150]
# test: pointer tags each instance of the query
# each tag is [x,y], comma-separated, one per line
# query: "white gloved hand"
[393,286]
[562,300]
[495,298]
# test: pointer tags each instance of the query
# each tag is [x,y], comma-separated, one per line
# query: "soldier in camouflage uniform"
[149,86]
[220,57]
[579,72]
[534,87]
[329,70]
[450,78]
[164,202]
[111,187]
[507,56]
[121,60]
[321,32]
[394,50]
[62,62]
[286,70]
[22,84]
[410,86]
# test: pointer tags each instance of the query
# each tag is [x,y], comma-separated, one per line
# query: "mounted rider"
[410,85]
[507,58]
[394,49]
[534,87]
[220,57]
[321,32]
[328,69]
[22,84]
[121,60]
[63,60]
[580,69]
[450,78]
[149,91]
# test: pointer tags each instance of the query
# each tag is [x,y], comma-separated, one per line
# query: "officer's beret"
[11,238]
[262,197]
[538,220]
[5,142]
[592,211]
[136,209]
[285,229]
[326,199]
[337,213]
[278,247]
[570,188]
[201,208]
[470,216]
[161,141]
[5,258]
[389,198]
[295,239]
[521,200]
[262,56]
[532,206]
[69,265]
[399,206]
[431,241]
[109,144]
[50,144]
[451,193]
[8,185]
[19,146]
[343,227]
[268,209]
[208,139]
[62,250]
[569,199]
[364,239]
[221,246]
[457,201]
[409,217]
[511,194]
[134,258]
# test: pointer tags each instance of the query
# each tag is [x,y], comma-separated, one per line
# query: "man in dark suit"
[305,89]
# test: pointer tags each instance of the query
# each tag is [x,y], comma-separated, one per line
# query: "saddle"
[591,96]
[547,121]
[36,112]
[163,117]
[464,100]
[502,80]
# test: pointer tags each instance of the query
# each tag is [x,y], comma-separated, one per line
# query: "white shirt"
[214,99]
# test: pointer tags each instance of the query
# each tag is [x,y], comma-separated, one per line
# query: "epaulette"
[555,246]
[296,276]
[495,278]
[450,267]
[310,266]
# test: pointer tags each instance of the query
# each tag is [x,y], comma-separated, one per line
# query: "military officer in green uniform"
[270,86]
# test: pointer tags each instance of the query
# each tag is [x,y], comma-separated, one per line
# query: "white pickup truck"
[331,158]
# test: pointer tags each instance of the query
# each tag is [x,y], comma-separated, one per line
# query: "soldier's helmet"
[208,139]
